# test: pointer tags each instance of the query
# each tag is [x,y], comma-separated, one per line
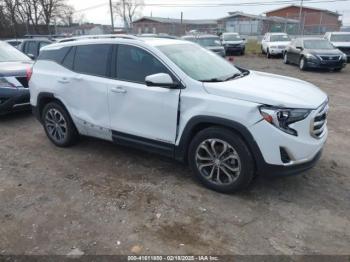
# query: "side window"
[56,55]
[134,64]
[68,60]
[92,59]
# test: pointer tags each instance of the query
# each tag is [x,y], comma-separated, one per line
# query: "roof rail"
[106,36]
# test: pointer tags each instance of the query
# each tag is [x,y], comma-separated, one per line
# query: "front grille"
[330,58]
[319,123]
[23,81]
[281,47]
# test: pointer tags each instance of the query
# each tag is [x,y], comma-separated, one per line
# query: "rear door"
[139,112]
[84,87]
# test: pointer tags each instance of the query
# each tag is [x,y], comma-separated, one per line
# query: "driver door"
[139,113]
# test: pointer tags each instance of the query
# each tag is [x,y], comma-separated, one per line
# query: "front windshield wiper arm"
[212,80]
[234,76]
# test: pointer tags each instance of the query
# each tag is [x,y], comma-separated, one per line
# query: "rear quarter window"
[56,55]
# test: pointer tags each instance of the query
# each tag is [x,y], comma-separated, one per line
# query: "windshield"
[317,44]
[279,38]
[232,37]
[198,63]
[209,41]
[10,54]
[340,38]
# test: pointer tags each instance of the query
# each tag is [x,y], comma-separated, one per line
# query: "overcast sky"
[100,14]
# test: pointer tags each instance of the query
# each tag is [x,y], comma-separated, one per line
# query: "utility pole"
[300,15]
[112,19]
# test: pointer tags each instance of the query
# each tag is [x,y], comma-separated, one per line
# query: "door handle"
[118,89]
[63,81]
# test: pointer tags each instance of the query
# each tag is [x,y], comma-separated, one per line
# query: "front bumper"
[13,100]
[275,51]
[317,63]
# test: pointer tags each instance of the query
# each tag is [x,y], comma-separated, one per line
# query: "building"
[247,24]
[313,20]
[172,26]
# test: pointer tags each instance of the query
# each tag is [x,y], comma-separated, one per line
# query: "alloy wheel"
[218,162]
[56,125]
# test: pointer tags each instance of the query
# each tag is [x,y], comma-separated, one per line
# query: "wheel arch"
[43,99]
[199,123]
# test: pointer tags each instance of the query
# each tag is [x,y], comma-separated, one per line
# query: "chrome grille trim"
[319,122]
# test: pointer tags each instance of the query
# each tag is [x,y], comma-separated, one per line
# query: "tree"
[128,10]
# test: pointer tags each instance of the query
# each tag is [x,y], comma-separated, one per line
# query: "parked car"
[191,38]
[31,47]
[176,98]
[14,70]
[274,44]
[314,53]
[212,43]
[161,35]
[233,43]
[340,40]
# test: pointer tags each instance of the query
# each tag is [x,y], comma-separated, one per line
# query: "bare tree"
[128,10]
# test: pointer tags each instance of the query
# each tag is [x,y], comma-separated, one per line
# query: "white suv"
[274,44]
[178,99]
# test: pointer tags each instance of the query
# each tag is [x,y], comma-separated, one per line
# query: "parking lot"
[97,198]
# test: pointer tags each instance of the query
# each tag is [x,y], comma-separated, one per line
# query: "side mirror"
[31,56]
[160,80]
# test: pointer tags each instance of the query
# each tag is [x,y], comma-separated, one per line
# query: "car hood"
[341,44]
[279,43]
[215,47]
[323,51]
[14,68]
[270,89]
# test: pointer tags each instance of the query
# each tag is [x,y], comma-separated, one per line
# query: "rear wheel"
[221,160]
[58,125]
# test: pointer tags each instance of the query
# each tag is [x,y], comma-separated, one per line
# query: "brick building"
[313,20]
[178,27]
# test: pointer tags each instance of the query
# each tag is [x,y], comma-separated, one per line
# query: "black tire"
[262,50]
[338,69]
[70,132]
[302,64]
[243,52]
[246,161]
[285,58]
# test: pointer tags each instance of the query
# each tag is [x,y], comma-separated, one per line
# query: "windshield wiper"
[212,80]
[234,76]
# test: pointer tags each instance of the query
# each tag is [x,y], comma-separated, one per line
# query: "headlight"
[5,84]
[282,118]
[344,56]
[310,56]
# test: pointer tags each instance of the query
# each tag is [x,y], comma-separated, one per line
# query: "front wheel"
[302,64]
[268,55]
[285,58]
[221,160]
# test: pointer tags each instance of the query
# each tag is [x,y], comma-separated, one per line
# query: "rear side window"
[92,59]
[56,55]
[134,64]
[68,60]
[31,48]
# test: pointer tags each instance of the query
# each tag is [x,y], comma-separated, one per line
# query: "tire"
[338,69]
[302,64]
[236,172]
[243,52]
[58,125]
[285,58]
[262,50]
[268,55]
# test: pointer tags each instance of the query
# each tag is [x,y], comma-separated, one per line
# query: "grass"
[253,47]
